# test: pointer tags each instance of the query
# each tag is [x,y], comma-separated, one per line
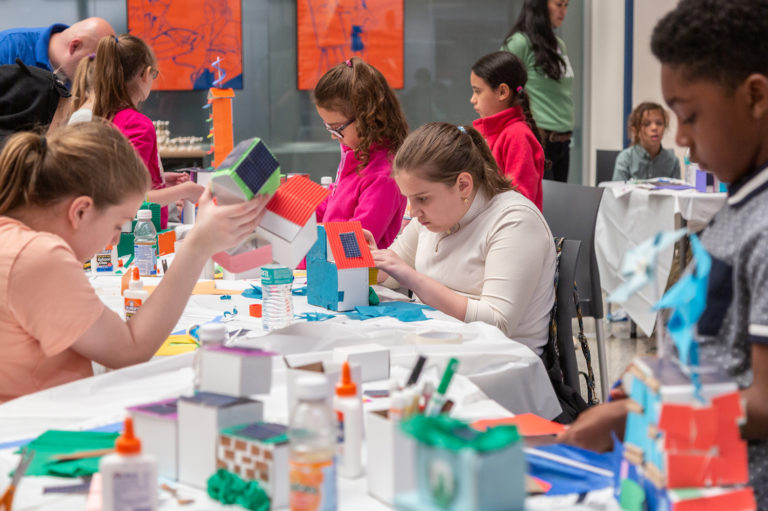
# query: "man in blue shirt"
[57,48]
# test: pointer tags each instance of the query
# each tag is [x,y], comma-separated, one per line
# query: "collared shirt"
[635,162]
[28,44]
[737,298]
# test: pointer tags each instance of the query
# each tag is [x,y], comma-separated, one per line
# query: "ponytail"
[91,158]
[439,152]
[359,90]
[118,61]
[82,82]
[525,103]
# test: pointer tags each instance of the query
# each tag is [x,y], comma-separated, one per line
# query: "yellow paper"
[176,345]
[205,287]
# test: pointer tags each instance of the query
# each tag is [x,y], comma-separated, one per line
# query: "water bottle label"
[313,486]
[272,275]
[144,257]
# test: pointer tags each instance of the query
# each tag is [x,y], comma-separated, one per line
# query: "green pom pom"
[229,488]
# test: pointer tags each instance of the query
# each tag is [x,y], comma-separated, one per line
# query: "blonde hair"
[439,152]
[118,61]
[360,91]
[90,158]
[81,83]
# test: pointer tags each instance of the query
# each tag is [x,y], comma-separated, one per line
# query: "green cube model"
[250,169]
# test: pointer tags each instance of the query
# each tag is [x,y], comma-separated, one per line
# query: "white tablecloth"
[628,215]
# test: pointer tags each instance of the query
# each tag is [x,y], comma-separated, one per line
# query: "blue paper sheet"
[567,479]
[403,311]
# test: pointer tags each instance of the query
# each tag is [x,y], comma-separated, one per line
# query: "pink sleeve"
[140,131]
[516,158]
[379,202]
[50,295]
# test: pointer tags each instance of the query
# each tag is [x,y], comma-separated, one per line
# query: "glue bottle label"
[313,485]
[131,306]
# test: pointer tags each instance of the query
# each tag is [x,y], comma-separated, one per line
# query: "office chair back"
[605,162]
[566,309]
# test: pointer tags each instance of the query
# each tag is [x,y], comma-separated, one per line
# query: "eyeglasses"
[337,131]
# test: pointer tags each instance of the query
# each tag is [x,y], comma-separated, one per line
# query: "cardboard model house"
[258,451]
[338,267]
[201,418]
[680,435]
[156,424]
[235,371]
[250,169]
[289,224]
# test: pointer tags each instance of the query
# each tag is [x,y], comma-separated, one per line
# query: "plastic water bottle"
[210,335]
[277,301]
[145,244]
[312,439]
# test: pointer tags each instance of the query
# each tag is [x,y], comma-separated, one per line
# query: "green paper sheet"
[632,496]
[63,442]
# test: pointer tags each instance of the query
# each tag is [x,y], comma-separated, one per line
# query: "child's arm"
[516,159]
[188,190]
[116,343]
[404,247]
[756,426]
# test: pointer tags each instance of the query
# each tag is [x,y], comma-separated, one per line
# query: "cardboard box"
[258,452]
[201,417]
[391,458]
[156,425]
[235,371]
[372,358]
[296,367]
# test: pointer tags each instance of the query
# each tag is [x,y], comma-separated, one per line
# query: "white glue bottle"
[104,261]
[128,477]
[349,415]
[135,295]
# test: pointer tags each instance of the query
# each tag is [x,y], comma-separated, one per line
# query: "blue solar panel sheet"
[257,167]
[349,244]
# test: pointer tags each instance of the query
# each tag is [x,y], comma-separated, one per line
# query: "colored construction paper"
[688,298]
[566,478]
[639,265]
[54,442]
[176,345]
[205,287]
[403,311]
[632,496]
[527,424]
[315,316]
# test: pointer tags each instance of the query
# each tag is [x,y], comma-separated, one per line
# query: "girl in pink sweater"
[361,111]
[124,71]
[506,122]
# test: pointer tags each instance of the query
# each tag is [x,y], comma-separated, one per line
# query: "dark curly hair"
[360,91]
[635,121]
[720,40]
[535,23]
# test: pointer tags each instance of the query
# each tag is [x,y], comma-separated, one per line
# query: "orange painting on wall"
[331,31]
[187,37]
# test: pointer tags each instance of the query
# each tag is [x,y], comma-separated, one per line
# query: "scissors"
[6,501]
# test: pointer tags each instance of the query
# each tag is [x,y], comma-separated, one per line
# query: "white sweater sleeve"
[517,253]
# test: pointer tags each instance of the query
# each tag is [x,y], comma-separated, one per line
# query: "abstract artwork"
[331,31]
[187,37]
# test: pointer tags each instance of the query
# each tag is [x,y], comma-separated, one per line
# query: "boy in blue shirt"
[714,77]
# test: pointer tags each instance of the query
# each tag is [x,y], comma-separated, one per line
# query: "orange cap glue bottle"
[349,414]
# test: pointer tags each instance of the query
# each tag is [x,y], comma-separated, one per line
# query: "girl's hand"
[370,240]
[592,430]
[218,228]
[175,178]
[190,191]
[389,262]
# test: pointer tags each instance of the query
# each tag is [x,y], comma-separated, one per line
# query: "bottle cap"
[326,180]
[212,333]
[127,443]
[346,387]
[312,387]
[136,282]
[144,214]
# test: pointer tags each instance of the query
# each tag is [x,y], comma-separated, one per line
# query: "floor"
[620,347]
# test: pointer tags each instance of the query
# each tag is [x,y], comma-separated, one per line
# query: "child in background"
[62,198]
[361,111]
[646,158]
[499,97]
[475,249]
[82,97]
[123,73]
[714,77]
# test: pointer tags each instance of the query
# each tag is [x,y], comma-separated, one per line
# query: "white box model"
[235,371]
[201,417]
[372,358]
[155,424]
[391,458]
[258,451]
[331,369]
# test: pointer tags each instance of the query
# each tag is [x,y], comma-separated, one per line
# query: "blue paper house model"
[338,267]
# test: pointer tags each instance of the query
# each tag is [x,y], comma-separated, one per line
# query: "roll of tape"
[435,337]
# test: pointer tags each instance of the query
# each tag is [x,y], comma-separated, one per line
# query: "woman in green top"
[550,78]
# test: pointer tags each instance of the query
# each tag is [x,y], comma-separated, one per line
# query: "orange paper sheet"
[205,287]
[527,424]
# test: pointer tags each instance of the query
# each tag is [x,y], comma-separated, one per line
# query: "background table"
[628,215]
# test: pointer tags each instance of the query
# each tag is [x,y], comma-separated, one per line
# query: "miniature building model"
[289,224]
[156,425]
[235,371]
[259,452]
[338,267]
[685,434]
[221,117]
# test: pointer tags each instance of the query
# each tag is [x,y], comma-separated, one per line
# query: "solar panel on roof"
[257,167]
[349,244]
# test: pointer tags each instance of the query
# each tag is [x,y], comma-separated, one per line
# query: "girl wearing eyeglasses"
[123,72]
[361,111]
